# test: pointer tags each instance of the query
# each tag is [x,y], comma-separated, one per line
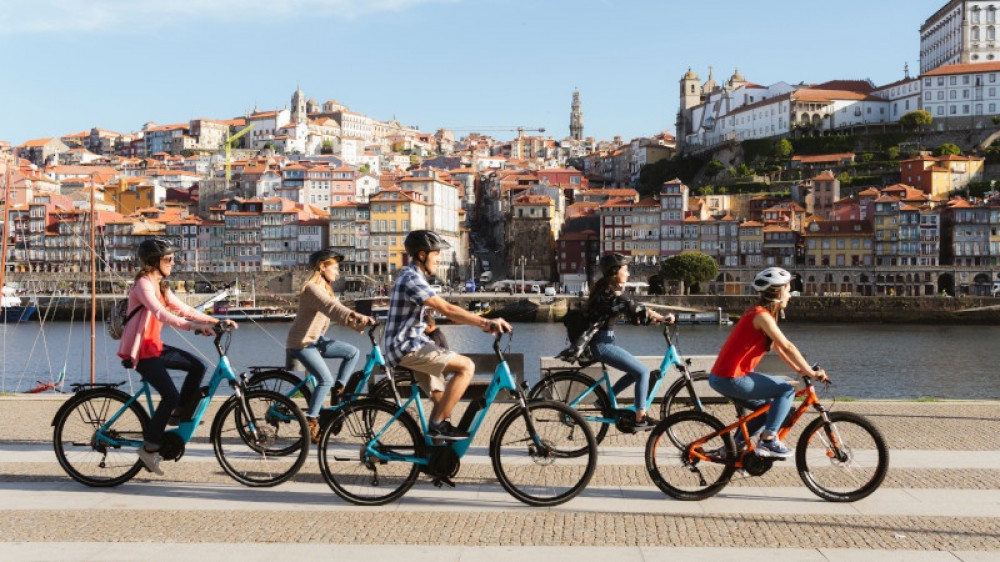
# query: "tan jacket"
[316,309]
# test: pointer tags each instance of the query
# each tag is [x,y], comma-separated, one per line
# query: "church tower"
[298,106]
[576,118]
[690,90]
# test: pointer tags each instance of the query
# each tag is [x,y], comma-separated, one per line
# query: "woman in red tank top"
[754,335]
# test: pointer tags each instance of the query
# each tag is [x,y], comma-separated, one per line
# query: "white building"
[961,32]
[962,95]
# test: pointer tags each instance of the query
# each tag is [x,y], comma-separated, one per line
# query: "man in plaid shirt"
[407,345]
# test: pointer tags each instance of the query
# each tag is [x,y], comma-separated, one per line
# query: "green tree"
[365,168]
[946,149]
[327,147]
[783,149]
[690,268]
[713,168]
[892,153]
[916,120]
[844,178]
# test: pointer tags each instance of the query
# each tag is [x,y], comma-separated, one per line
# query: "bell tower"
[576,118]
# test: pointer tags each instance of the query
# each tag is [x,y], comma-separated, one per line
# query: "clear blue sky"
[69,65]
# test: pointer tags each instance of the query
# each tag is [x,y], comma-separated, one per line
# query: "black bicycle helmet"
[321,256]
[150,251]
[424,241]
[609,263]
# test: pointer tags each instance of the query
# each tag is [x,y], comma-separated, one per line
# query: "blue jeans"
[754,390]
[312,357]
[604,349]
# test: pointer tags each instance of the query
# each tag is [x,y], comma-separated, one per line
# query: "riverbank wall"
[537,308]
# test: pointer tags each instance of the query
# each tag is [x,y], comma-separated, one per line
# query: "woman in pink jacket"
[142,349]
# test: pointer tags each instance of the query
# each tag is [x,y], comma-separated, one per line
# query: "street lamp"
[522,260]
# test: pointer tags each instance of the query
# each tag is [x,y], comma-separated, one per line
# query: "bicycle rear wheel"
[263,443]
[566,387]
[92,455]
[547,466]
[285,383]
[352,471]
[678,398]
[679,470]
[843,461]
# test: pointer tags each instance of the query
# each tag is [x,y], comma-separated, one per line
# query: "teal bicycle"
[542,453]
[260,438]
[596,400]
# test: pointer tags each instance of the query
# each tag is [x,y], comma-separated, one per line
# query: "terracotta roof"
[970,68]
[816,94]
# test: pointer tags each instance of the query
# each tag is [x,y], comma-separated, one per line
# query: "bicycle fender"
[83,394]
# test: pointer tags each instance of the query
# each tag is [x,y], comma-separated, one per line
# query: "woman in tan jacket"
[317,307]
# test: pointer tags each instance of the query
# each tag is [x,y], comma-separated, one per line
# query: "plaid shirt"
[405,325]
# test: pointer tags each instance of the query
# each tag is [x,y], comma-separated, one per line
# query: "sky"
[71,65]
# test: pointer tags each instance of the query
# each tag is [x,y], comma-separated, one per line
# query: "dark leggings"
[154,371]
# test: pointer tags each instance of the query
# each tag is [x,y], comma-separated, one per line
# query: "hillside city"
[858,188]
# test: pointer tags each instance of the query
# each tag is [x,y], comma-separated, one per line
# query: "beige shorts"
[428,364]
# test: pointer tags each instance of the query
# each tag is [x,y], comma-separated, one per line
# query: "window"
[940,95]
[953,94]
[953,80]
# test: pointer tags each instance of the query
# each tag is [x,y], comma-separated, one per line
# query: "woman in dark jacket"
[605,306]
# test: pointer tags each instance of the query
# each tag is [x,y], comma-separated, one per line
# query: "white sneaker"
[151,460]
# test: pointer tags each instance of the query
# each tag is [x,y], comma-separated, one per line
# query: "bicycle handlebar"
[371,332]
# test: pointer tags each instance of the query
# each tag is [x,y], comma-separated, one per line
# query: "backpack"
[119,317]
[579,331]
[576,323]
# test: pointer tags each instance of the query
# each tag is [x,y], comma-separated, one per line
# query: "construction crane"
[520,130]
[228,144]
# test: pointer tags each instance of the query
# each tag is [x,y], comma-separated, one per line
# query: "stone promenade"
[940,501]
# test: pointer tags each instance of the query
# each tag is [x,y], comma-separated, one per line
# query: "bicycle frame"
[374,359]
[670,358]
[810,399]
[502,379]
[185,430]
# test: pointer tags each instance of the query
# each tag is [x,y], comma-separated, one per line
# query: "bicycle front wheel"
[365,456]
[842,461]
[679,398]
[568,387]
[544,454]
[261,440]
[689,471]
[91,453]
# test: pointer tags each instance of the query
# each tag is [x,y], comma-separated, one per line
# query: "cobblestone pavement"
[909,427]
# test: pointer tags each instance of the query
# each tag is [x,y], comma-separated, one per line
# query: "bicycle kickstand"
[443,480]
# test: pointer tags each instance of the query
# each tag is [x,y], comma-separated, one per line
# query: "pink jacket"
[176,314]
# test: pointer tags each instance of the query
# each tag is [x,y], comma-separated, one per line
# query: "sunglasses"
[168,259]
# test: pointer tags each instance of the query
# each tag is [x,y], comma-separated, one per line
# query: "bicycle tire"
[264,458]
[675,470]
[678,398]
[529,473]
[382,390]
[285,383]
[854,470]
[354,475]
[74,437]
[567,386]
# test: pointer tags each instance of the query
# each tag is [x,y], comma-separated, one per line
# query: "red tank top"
[743,349]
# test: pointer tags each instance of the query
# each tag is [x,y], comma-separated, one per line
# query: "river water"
[865,360]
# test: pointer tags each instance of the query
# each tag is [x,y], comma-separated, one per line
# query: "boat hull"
[17,314]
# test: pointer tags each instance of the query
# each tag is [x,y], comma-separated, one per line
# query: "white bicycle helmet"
[771,278]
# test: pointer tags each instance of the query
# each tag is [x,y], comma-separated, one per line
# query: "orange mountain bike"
[840,456]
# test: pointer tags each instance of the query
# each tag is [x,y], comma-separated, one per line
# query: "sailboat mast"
[93,281]
[6,218]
